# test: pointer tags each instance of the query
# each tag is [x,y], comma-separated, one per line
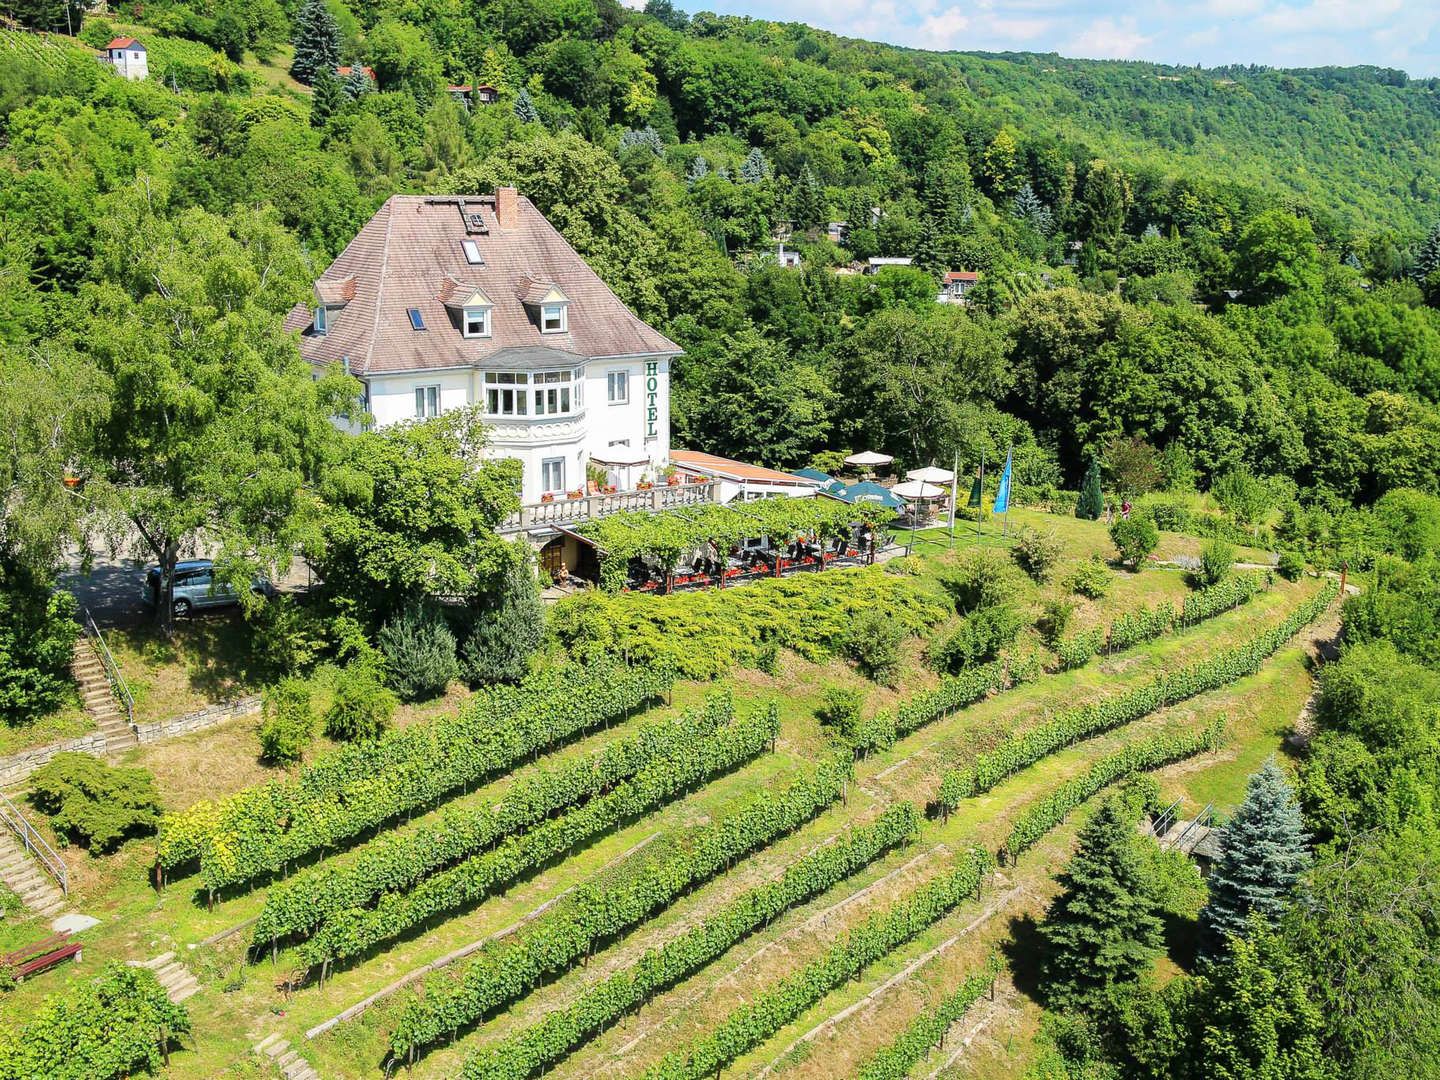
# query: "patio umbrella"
[865,491]
[931,475]
[918,491]
[868,459]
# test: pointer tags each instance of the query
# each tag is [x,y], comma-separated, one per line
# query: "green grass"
[203,662]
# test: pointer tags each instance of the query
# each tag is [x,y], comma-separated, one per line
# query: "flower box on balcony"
[609,489]
[644,485]
[547,497]
[577,494]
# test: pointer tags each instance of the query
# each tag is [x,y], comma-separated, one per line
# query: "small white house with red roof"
[957,286]
[127,56]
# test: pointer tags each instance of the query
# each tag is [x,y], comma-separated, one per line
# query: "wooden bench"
[36,958]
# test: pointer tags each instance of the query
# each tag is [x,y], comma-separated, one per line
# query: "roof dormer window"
[322,321]
[554,318]
[475,322]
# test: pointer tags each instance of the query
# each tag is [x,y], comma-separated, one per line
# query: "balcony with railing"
[563,512]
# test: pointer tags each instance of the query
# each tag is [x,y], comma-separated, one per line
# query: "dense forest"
[1198,282]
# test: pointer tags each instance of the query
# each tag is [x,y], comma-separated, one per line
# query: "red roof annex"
[122,43]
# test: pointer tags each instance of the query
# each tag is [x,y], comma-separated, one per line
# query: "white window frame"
[467,314]
[472,253]
[322,321]
[622,378]
[547,466]
[561,314]
[426,396]
[507,387]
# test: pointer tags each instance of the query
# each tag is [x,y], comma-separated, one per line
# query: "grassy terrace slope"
[240,1002]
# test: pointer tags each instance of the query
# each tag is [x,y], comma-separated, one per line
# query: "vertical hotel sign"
[652,397]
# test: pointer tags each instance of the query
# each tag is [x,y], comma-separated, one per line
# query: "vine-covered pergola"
[663,538]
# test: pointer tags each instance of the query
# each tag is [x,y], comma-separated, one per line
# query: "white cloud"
[1330,16]
[1108,39]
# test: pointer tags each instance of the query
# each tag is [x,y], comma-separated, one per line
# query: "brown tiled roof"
[333,291]
[454,292]
[124,43]
[735,470]
[401,259]
[961,275]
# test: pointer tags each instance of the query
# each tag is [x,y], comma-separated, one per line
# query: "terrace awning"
[619,458]
[918,490]
[868,459]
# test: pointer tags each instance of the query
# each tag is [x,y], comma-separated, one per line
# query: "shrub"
[767,657]
[1135,538]
[978,639]
[840,709]
[873,642]
[289,721]
[710,632]
[1055,619]
[104,1028]
[37,641]
[361,707]
[287,635]
[1090,579]
[94,805]
[1037,553]
[980,579]
[502,638]
[419,653]
[1217,558]
[1291,565]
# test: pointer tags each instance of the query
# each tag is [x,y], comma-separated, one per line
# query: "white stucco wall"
[643,421]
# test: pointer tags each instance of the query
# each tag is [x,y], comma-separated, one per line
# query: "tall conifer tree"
[1262,855]
[316,37]
[1102,930]
[1092,500]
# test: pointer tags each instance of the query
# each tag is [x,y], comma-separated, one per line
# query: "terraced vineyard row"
[1131,628]
[754,1022]
[954,693]
[262,829]
[561,1031]
[1084,721]
[296,906]
[348,933]
[895,1061]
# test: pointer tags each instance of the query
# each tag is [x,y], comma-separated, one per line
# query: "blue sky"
[1283,33]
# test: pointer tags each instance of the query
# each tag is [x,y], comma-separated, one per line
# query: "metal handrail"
[1167,819]
[34,842]
[117,682]
[1180,840]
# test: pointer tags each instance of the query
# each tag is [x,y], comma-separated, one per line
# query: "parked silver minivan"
[196,587]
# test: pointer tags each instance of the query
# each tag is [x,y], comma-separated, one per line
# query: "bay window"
[539,393]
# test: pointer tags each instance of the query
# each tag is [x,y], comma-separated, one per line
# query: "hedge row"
[754,1022]
[552,1039]
[954,693]
[296,906]
[1131,628]
[363,785]
[348,933]
[596,915]
[1071,725]
[895,1061]
[1150,754]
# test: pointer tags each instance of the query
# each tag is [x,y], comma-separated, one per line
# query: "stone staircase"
[290,1064]
[174,976]
[27,878]
[99,698]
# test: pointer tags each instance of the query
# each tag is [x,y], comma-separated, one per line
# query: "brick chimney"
[507,211]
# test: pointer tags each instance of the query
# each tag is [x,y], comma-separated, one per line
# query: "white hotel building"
[443,302]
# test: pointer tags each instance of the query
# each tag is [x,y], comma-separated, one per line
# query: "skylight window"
[472,253]
[416,321]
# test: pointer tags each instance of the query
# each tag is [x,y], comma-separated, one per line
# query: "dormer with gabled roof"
[445,301]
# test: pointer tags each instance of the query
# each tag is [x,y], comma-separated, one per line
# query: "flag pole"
[980,510]
[954,494]
[1009,472]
